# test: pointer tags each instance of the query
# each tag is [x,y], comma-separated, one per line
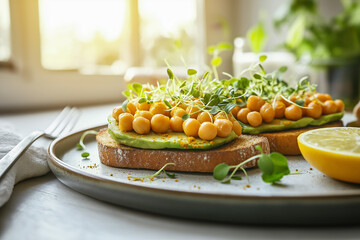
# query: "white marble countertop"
[44,208]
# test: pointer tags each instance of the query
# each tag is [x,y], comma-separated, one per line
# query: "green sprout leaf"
[257,76]
[262,58]
[221,171]
[229,106]
[214,110]
[216,61]
[283,69]
[124,105]
[185,117]
[151,177]
[167,103]
[280,168]
[142,100]
[273,166]
[85,155]
[170,74]
[137,87]
[81,145]
[257,37]
[300,102]
[191,72]
[126,93]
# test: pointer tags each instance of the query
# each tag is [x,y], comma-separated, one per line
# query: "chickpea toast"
[202,121]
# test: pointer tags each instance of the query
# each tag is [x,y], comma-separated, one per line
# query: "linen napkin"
[31,164]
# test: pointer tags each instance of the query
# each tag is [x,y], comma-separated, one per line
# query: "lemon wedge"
[334,151]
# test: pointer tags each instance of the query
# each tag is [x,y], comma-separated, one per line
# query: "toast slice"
[114,154]
[285,142]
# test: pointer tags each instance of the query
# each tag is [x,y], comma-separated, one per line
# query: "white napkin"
[31,164]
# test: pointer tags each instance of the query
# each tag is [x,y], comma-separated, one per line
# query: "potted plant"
[332,46]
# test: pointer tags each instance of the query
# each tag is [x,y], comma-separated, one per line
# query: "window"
[94,36]
[76,52]
[5,47]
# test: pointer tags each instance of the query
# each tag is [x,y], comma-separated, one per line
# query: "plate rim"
[58,163]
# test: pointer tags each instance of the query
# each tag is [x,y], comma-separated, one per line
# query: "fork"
[62,124]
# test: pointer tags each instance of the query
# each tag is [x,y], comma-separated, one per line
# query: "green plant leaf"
[191,72]
[170,73]
[257,37]
[229,106]
[126,93]
[221,171]
[137,87]
[185,117]
[124,105]
[280,168]
[300,102]
[167,103]
[262,58]
[236,178]
[257,76]
[85,154]
[283,69]
[216,61]
[142,100]
[214,110]
[296,32]
[265,164]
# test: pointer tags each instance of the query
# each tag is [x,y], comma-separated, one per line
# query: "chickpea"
[131,106]
[267,113]
[141,125]
[207,131]
[223,115]
[237,127]
[254,119]
[322,97]
[293,112]
[279,109]
[314,110]
[293,98]
[174,110]
[329,107]
[143,106]
[160,123]
[116,112]
[176,124]
[146,114]
[205,117]
[182,105]
[193,111]
[126,122]
[180,112]
[159,108]
[242,115]
[224,127]
[340,106]
[235,110]
[191,127]
[254,103]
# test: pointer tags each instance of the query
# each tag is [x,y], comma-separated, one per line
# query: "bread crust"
[285,142]
[114,154]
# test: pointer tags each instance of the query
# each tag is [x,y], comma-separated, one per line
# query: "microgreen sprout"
[273,166]
[81,146]
[151,177]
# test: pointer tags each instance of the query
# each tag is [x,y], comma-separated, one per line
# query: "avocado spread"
[172,140]
[285,124]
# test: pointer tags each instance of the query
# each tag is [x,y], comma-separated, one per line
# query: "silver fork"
[62,124]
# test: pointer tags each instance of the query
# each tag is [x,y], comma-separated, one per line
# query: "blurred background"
[79,52]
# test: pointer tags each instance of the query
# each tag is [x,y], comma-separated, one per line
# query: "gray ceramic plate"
[309,197]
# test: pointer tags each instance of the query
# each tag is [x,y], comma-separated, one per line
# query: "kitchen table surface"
[44,208]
